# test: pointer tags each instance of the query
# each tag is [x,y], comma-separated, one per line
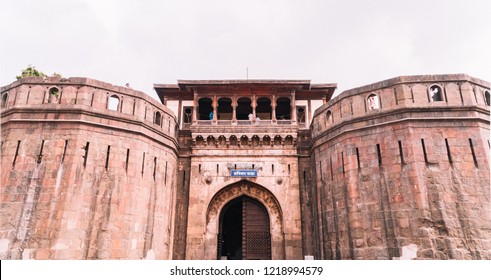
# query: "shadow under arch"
[252,190]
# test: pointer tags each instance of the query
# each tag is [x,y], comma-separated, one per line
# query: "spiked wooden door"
[256,240]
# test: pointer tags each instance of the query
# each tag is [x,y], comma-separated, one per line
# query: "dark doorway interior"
[283,109]
[244,230]
[231,233]
[243,108]
[205,109]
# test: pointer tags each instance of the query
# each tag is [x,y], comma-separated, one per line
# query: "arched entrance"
[228,197]
[244,230]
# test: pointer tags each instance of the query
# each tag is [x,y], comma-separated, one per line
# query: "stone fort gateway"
[246,169]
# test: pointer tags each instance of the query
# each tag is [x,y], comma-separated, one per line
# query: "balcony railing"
[243,123]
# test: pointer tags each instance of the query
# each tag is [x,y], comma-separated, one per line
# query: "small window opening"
[16,153]
[358,159]
[401,155]
[449,154]
[5,98]
[158,119]
[40,155]
[113,103]
[54,95]
[473,153]
[436,93]
[165,175]
[188,115]
[379,154]
[373,102]
[107,156]
[487,98]
[154,168]
[329,119]
[127,159]
[332,172]
[301,114]
[86,154]
[342,162]
[424,151]
[143,163]
[64,151]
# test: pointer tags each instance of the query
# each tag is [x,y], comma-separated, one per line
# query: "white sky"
[143,42]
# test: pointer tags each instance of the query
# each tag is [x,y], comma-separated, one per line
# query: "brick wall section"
[115,206]
[373,202]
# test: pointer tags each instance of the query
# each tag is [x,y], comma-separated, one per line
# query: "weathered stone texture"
[383,172]
[116,205]
[380,191]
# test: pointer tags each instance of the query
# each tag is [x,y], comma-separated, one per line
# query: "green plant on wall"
[31,71]
[54,91]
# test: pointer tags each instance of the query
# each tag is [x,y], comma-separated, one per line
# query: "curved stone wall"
[397,173]
[83,176]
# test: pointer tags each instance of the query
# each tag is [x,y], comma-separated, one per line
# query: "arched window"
[301,114]
[263,108]
[255,141]
[113,103]
[244,108]
[5,98]
[54,95]
[244,140]
[487,98]
[224,109]
[188,114]
[205,109]
[158,118]
[436,93]
[373,102]
[329,120]
[283,108]
[233,140]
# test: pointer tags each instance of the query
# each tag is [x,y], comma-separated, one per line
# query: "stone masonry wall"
[81,181]
[407,180]
[276,186]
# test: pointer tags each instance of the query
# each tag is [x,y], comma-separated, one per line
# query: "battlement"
[415,93]
[74,96]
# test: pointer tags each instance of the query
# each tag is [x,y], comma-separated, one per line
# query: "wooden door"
[256,239]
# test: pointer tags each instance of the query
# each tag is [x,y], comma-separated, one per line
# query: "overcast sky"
[142,42]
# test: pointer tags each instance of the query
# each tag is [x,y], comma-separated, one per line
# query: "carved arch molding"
[252,190]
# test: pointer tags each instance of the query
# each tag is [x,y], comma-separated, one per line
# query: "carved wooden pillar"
[254,105]
[273,109]
[309,108]
[195,108]
[234,109]
[215,105]
[293,108]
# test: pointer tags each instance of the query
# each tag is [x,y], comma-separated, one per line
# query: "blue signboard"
[243,173]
